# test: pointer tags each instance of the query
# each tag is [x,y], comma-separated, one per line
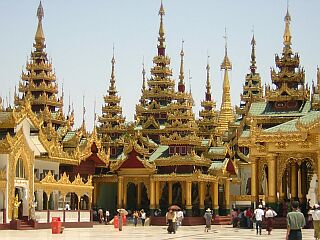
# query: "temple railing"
[45,216]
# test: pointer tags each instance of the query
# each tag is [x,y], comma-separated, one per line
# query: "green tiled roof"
[262,108]
[290,126]
[217,165]
[69,136]
[159,152]
[217,150]
[205,142]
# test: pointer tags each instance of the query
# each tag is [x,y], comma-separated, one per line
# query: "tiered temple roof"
[290,91]
[181,128]
[38,83]
[208,115]
[252,90]
[152,114]
[112,121]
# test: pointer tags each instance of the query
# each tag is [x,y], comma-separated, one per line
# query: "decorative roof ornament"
[143,76]
[287,34]
[253,66]
[39,37]
[226,64]
[112,87]
[208,85]
[161,39]
[181,86]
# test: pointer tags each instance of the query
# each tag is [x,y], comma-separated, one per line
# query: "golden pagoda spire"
[208,85]
[181,86]
[112,87]
[253,66]
[161,38]
[226,114]
[226,64]
[143,76]
[287,34]
[318,79]
[39,37]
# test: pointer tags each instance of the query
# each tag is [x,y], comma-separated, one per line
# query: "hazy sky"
[80,34]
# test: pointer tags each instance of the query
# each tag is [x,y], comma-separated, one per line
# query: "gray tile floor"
[150,233]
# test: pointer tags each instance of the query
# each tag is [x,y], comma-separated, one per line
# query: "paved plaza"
[150,233]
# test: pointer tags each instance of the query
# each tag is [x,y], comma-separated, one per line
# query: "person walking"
[135,218]
[179,219]
[315,213]
[120,222]
[171,219]
[143,217]
[258,215]
[269,215]
[107,216]
[208,217]
[248,215]
[295,221]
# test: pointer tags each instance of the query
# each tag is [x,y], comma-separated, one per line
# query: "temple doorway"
[177,194]
[132,203]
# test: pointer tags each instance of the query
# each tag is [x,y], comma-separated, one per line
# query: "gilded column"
[158,194]
[125,188]
[254,180]
[281,189]
[299,184]
[170,193]
[139,195]
[216,198]
[294,183]
[188,198]
[272,177]
[120,191]
[227,195]
[201,197]
[152,197]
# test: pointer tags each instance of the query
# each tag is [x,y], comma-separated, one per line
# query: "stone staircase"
[25,225]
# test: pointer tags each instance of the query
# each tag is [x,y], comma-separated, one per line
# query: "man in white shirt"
[107,216]
[269,215]
[315,212]
[258,215]
[179,218]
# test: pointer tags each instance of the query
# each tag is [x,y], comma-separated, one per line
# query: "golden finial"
[287,34]
[143,76]
[318,78]
[181,76]
[112,80]
[253,66]
[39,37]
[40,12]
[226,64]
[208,85]
[161,10]
[83,112]
[161,39]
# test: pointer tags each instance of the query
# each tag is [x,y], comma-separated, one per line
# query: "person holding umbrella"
[208,217]
[121,212]
[171,219]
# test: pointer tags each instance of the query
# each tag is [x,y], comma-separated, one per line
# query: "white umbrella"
[122,211]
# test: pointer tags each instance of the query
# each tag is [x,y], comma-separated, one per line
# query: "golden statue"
[16,205]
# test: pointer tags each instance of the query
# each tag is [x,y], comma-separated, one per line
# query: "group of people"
[295,220]
[139,215]
[174,220]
